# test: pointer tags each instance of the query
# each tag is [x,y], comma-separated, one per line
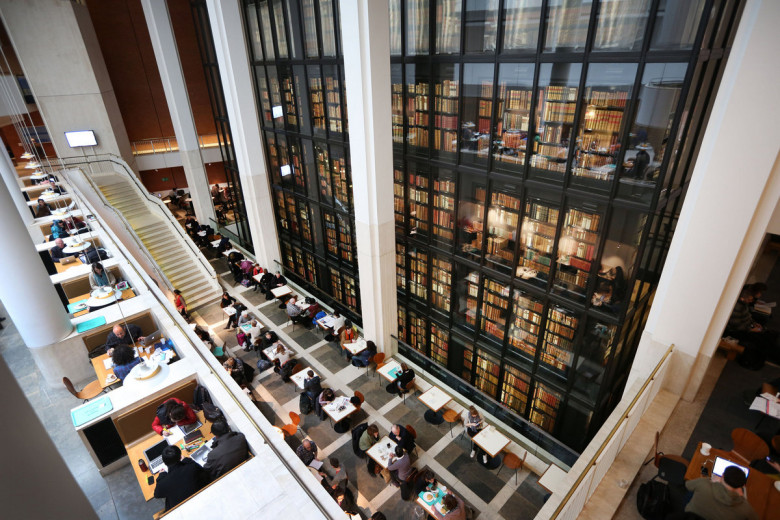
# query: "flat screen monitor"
[721,465]
[286,170]
[81,138]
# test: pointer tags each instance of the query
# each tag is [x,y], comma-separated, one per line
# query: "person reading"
[124,360]
[182,479]
[398,385]
[124,335]
[723,499]
[228,450]
[99,277]
[173,412]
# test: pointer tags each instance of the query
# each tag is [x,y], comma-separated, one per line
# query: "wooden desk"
[126,295]
[61,268]
[390,370]
[298,378]
[102,373]
[135,451]
[434,398]
[357,347]
[339,415]
[281,291]
[491,440]
[381,453]
[761,493]
[438,493]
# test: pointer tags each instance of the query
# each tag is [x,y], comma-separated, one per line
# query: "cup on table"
[705,449]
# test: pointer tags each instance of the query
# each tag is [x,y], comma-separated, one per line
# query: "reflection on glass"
[254,31]
[607,91]
[281,34]
[333,98]
[555,109]
[281,210]
[486,373]
[398,198]
[395,27]
[537,238]
[495,308]
[328,23]
[310,28]
[576,250]
[304,219]
[558,347]
[336,289]
[621,25]
[277,111]
[304,118]
[418,201]
[515,89]
[323,171]
[416,27]
[618,259]
[440,339]
[514,390]
[418,273]
[444,207]
[331,235]
[502,220]
[417,328]
[292,214]
[283,162]
[567,25]
[345,238]
[448,26]
[521,25]
[416,110]
[471,215]
[317,98]
[544,410]
[595,353]
[311,268]
[467,291]
[676,24]
[400,266]
[525,325]
[445,124]
[397,103]
[480,25]
[288,96]
[295,170]
[268,37]
[273,158]
[265,100]
[402,335]
[468,360]
[441,283]
[477,111]
[342,190]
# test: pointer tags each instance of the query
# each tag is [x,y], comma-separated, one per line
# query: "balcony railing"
[170,144]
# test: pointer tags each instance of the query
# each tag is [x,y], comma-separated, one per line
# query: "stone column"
[11,180]
[230,42]
[366,43]
[158,21]
[728,206]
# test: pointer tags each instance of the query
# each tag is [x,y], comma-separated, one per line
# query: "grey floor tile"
[519,507]
[330,357]
[372,387]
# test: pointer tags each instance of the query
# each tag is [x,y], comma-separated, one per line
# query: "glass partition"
[445,102]
[537,240]
[577,248]
[515,389]
[328,23]
[417,27]
[440,339]
[525,326]
[395,27]
[477,111]
[418,273]
[467,292]
[444,207]
[495,309]
[471,216]
[502,224]
[567,25]
[441,283]
[676,24]
[398,104]
[558,346]
[419,205]
[621,25]
[521,25]
[594,355]
[513,112]
[480,24]
[417,122]
[618,259]
[448,26]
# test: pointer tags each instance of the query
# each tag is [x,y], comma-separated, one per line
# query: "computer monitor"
[721,465]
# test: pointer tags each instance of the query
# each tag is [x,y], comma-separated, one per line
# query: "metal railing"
[170,144]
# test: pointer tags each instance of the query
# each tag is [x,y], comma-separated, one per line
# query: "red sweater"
[188,419]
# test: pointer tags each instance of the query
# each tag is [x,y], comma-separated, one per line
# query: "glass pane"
[416,27]
[402,331]
[558,347]
[595,354]
[471,214]
[514,390]
[468,360]
[515,89]
[310,168]
[441,283]
[446,90]
[495,308]
[525,325]
[273,158]
[398,103]
[304,118]
[417,332]
[676,24]
[342,190]
[537,238]
[268,36]
[400,266]
[395,27]
[545,407]
[345,238]
[448,26]
[281,210]
[398,199]
[288,96]
[444,207]
[304,219]
[418,273]
[331,234]
[254,32]
[417,94]
[440,339]
[567,25]
[477,110]
[295,165]
[618,259]
[311,268]
[418,199]
[467,291]
[621,25]
[277,111]
[328,28]
[310,28]
[281,34]
[480,25]
[521,25]
[317,98]
[555,108]
[336,289]
[289,260]
[323,171]
[265,100]
[577,248]
[502,220]
[292,214]
[283,162]
[659,96]
[333,98]
[486,375]
[607,91]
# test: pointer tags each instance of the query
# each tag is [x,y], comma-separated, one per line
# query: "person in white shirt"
[255,332]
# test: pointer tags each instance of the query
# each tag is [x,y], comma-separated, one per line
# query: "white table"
[246,327]
[48,195]
[491,440]
[390,368]
[299,378]
[257,277]
[201,233]
[281,291]
[380,451]
[302,305]
[96,299]
[229,310]
[270,352]
[435,398]
[327,322]
[215,243]
[69,250]
[155,380]
[332,409]
[767,404]
[357,347]
[37,176]
[227,253]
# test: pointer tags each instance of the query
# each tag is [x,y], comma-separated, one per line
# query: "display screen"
[721,465]
[286,170]
[81,138]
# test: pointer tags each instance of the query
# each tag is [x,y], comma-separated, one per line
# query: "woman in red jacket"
[173,412]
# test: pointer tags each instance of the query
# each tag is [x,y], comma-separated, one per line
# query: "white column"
[227,29]
[728,206]
[26,289]
[158,21]
[11,180]
[365,37]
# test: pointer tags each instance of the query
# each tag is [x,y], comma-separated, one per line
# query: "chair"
[514,462]
[408,388]
[747,445]
[360,396]
[378,359]
[658,454]
[297,368]
[296,420]
[776,444]
[452,417]
[88,392]
[413,433]
[289,430]
[219,352]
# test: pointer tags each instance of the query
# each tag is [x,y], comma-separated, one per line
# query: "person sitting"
[338,323]
[325,397]
[182,479]
[282,355]
[58,230]
[255,333]
[362,359]
[293,311]
[256,271]
[235,367]
[346,500]
[426,481]
[42,209]
[99,277]
[124,360]
[400,466]
[233,319]
[265,282]
[454,507]
[224,245]
[57,252]
[347,335]
[398,385]
[124,335]
[312,385]
[75,225]
[307,451]
[473,424]
[317,317]
[204,336]
[339,480]
[226,300]
[758,341]
[723,499]
[368,439]
[277,281]
[228,450]
[173,412]
[402,437]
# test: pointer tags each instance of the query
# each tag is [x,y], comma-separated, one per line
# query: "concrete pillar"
[60,56]
[366,43]
[158,21]
[728,206]
[26,289]
[11,180]
[227,29]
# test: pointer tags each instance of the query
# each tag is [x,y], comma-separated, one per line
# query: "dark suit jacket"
[230,451]
[180,482]
[405,439]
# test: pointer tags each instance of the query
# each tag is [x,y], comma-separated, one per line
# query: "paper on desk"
[176,435]
[108,363]
[316,464]
[766,403]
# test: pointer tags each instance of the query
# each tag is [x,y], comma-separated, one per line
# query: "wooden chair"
[776,444]
[360,396]
[658,454]
[514,462]
[297,368]
[379,360]
[296,420]
[413,433]
[451,417]
[408,388]
[88,392]
[289,430]
[747,445]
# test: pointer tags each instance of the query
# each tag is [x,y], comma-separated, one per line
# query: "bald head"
[60,242]
[119,331]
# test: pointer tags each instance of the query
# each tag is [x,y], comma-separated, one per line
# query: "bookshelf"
[331,240]
[444,207]
[417,332]
[525,325]
[322,163]
[515,92]
[395,27]
[502,221]
[545,406]
[400,266]
[445,121]
[351,293]
[281,210]
[468,362]
[264,95]
[495,308]
[309,28]
[417,31]
[567,26]
[265,25]
[397,100]
[333,99]
[419,206]
[311,268]
[440,339]
[598,142]
[402,331]
[299,265]
[486,373]
[336,289]
[328,24]
[469,292]
[477,113]
[480,26]
[289,259]
[297,166]
[471,214]
[253,33]
[417,121]
[292,213]
[441,283]
[555,119]
[515,389]
[418,274]
[317,100]
[345,238]
[448,26]
[537,239]
[281,34]
[288,96]
[558,347]
[398,199]
[521,26]
[342,189]
[577,249]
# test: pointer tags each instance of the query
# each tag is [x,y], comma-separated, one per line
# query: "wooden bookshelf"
[398,112]
[471,293]
[398,199]
[292,213]
[526,324]
[440,339]
[341,185]
[289,259]
[336,289]
[537,239]
[598,140]
[503,217]
[513,114]
[400,266]
[310,28]
[317,100]
[445,123]
[441,283]
[322,162]
[402,330]
[345,238]
[471,214]
[331,240]
[515,389]
[447,26]
[555,119]
[329,26]
[418,274]
[444,209]
[521,27]
[417,114]
[333,103]
[486,374]
[311,268]
[300,268]
[281,210]
[288,96]
[468,362]
[351,293]
[417,332]
[419,206]
[558,347]
[577,249]
[495,308]
[544,410]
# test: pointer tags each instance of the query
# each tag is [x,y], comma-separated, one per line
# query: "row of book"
[577,280]
[544,163]
[554,111]
[445,140]
[512,122]
[602,120]
[583,219]
[443,218]
[447,106]
[493,329]
[445,202]
[607,98]
[447,88]
[446,122]
[568,246]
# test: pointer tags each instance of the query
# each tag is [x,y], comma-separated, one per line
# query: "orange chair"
[451,417]
[776,443]
[413,433]
[297,368]
[289,430]
[296,420]
[88,392]
[359,395]
[408,388]
[378,359]
[747,445]
[514,462]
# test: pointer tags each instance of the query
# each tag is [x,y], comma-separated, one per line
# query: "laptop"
[152,338]
[68,260]
[201,455]
[721,464]
[154,456]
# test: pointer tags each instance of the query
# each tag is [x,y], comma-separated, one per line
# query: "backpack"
[285,371]
[200,396]
[357,432]
[653,500]
[305,404]
[211,412]
[263,365]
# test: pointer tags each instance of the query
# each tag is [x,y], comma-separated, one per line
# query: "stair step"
[185,279]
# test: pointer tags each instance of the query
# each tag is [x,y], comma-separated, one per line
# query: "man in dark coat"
[183,479]
[228,450]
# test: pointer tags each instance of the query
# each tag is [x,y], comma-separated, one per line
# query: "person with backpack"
[173,412]
[312,385]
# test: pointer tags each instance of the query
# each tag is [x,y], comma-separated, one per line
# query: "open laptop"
[152,338]
[721,464]
[201,455]
[68,260]
[154,456]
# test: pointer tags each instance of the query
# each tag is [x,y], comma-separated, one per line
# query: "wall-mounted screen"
[81,138]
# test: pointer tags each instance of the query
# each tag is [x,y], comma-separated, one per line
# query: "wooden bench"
[80,286]
[97,337]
